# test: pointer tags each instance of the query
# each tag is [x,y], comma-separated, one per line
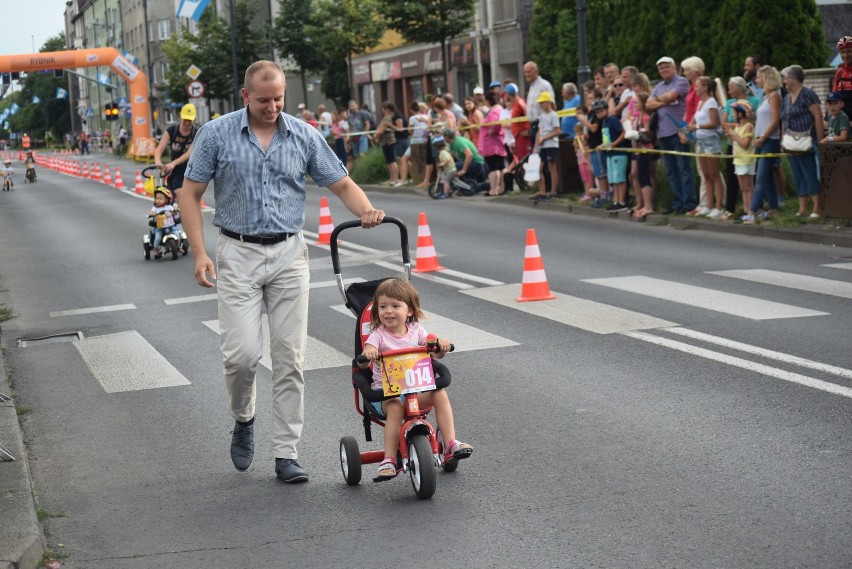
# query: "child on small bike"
[30,164]
[8,182]
[395,325]
[164,216]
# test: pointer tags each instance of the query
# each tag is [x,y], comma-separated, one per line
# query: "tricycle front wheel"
[350,460]
[424,477]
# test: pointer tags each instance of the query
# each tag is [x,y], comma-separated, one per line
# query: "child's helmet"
[742,105]
[166,192]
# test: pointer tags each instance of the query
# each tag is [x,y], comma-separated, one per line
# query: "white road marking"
[744,364]
[827,368]
[431,277]
[706,298]
[847,266]
[465,337]
[577,312]
[791,280]
[127,362]
[93,310]
[188,299]
[318,354]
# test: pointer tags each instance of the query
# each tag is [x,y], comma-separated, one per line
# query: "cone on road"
[119,183]
[326,225]
[534,282]
[427,258]
[96,172]
[107,177]
[85,169]
[139,187]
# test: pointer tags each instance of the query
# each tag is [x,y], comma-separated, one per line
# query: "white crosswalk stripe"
[577,312]
[127,362]
[791,280]
[847,266]
[706,298]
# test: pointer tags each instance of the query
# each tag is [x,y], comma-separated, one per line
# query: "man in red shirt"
[843,77]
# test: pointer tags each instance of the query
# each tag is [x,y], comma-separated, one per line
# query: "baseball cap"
[599,104]
[833,96]
[665,59]
[511,89]
[478,91]
[301,106]
[187,112]
[494,84]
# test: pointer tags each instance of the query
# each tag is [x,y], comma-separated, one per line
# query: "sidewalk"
[834,233]
[21,543]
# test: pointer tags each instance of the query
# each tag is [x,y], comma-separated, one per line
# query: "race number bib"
[407,373]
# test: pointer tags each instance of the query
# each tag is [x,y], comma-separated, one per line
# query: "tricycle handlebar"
[431,347]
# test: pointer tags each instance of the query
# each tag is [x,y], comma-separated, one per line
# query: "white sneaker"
[714,214]
[702,210]
[814,216]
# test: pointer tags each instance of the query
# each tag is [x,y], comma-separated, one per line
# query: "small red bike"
[405,373]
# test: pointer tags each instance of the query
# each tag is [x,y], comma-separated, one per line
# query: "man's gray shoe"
[242,446]
[289,470]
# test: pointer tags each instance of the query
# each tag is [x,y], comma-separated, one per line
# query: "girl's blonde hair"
[396,289]
[771,78]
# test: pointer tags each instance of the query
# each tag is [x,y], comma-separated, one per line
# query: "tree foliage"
[210,49]
[342,28]
[291,38]
[48,114]
[430,21]
[638,32]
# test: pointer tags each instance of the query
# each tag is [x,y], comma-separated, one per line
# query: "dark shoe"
[288,470]
[242,446]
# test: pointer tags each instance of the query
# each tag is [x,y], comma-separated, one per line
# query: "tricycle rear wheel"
[424,477]
[350,461]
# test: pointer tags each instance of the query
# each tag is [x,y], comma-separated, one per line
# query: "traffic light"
[111,112]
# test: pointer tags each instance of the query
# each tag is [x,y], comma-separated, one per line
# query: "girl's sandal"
[387,469]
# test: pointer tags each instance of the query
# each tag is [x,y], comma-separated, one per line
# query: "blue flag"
[61,93]
[14,108]
[192,9]
[36,99]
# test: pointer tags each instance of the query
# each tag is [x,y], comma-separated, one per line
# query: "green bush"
[370,168]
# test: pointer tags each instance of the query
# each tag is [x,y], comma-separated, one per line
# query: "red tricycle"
[405,374]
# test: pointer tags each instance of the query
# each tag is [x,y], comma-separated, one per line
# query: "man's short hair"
[265,69]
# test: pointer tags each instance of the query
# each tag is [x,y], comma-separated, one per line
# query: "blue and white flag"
[192,9]
[103,79]
[61,93]
[6,126]
[14,108]
[4,115]
[36,99]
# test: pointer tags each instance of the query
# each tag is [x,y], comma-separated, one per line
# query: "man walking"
[259,158]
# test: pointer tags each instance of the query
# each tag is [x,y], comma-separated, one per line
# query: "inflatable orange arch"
[142,144]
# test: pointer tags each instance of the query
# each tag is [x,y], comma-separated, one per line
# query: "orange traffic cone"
[107,177]
[534,282]
[96,172]
[326,226]
[85,169]
[139,187]
[119,183]
[427,258]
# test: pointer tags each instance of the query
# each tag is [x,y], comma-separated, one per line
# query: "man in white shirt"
[537,86]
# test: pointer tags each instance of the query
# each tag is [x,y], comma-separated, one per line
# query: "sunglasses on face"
[618,84]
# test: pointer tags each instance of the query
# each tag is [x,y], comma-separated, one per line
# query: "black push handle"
[403,238]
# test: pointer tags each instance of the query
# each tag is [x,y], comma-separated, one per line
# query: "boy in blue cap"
[838,123]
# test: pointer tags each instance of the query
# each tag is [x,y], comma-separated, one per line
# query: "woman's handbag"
[797,141]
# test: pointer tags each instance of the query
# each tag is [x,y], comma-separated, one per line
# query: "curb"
[21,544]
[821,234]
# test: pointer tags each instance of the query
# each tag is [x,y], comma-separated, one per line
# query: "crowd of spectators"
[733,133]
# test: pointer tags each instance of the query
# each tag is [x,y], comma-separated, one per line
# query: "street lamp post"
[583,71]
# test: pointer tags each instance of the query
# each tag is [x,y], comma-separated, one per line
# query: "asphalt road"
[662,411]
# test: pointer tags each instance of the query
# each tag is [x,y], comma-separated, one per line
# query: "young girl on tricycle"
[395,316]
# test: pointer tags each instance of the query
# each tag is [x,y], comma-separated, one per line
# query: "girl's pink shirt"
[383,341]
[491,137]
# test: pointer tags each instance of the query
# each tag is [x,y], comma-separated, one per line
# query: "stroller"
[422,446]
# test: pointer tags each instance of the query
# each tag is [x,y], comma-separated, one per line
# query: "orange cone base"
[539,292]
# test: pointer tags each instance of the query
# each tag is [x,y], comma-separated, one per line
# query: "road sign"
[195,89]
[193,72]
[123,102]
